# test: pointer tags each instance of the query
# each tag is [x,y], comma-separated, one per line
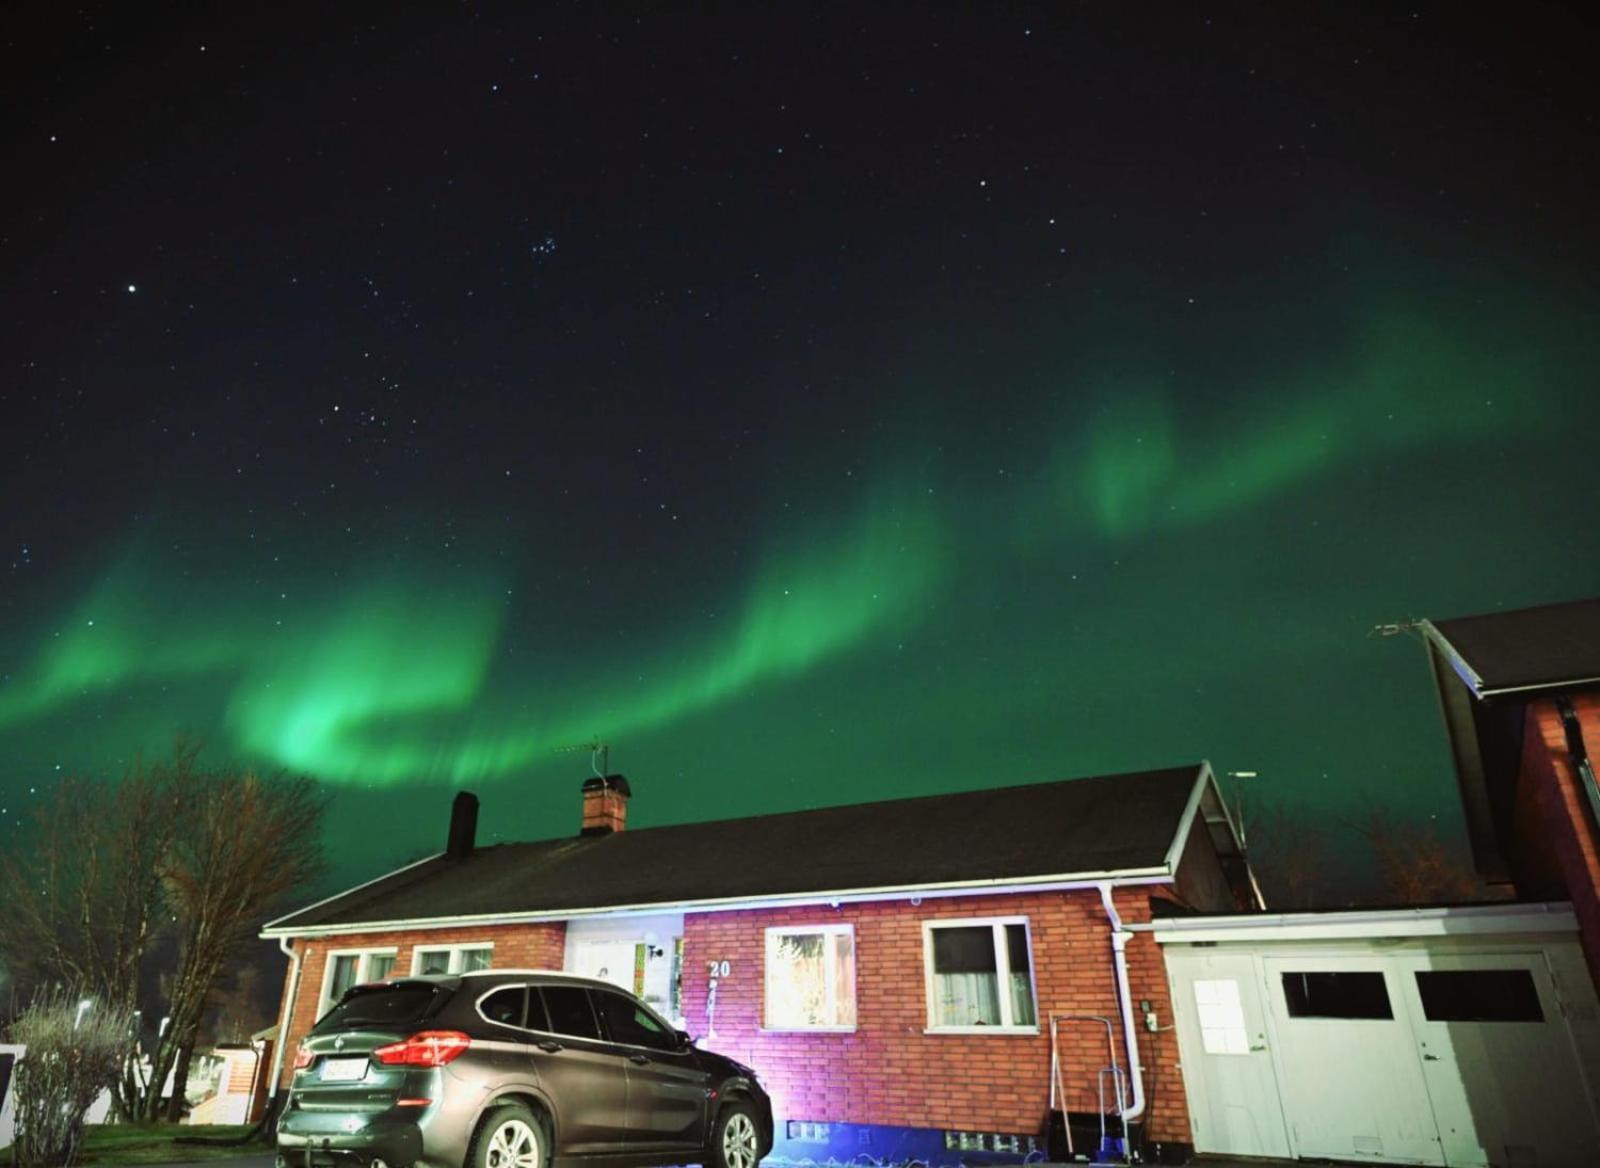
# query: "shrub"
[72,1056]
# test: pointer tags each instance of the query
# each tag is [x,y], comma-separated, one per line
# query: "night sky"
[817,403]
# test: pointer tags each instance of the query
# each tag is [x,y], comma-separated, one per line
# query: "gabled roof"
[1128,826]
[1485,668]
[1551,647]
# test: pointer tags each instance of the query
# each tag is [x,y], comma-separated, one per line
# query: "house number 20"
[719,968]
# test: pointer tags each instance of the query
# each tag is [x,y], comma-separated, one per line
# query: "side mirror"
[684,1041]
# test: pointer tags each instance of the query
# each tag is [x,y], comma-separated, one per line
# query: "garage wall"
[1538,1097]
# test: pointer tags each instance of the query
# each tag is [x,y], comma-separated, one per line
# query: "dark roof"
[1482,665]
[1082,827]
[1553,646]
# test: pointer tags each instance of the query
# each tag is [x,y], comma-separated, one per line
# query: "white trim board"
[1075,882]
[1464,920]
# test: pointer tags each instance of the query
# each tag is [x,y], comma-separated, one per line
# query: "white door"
[1352,1083]
[609,960]
[1227,1062]
[1498,1060]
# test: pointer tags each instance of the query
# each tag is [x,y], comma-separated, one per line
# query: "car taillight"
[428,1048]
[302,1057]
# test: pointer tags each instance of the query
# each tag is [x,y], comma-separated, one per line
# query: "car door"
[585,1077]
[500,1044]
[666,1086]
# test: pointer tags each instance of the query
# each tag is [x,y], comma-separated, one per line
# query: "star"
[133,287]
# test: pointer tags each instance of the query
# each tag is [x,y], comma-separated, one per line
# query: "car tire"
[735,1138]
[509,1137]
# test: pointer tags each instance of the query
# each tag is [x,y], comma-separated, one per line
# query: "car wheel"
[735,1140]
[509,1137]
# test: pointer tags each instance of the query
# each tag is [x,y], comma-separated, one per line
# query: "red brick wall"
[1558,795]
[888,1071]
[539,946]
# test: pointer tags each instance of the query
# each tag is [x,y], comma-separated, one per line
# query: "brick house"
[1520,694]
[895,970]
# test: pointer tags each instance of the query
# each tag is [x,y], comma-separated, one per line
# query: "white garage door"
[1352,1084]
[1499,1061]
[1424,1054]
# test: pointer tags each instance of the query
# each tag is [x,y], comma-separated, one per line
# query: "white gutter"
[1450,921]
[1130,1033]
[1074,882]
[288,1012]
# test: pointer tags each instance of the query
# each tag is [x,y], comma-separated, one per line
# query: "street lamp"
[83,1008]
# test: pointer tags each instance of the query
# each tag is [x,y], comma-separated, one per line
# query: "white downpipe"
[1130,1033]
[288,1013]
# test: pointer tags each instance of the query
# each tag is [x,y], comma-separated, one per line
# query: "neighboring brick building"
[890,972]
[1520,692]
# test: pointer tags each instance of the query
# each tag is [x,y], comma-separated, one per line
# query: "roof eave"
[1456,702]
[270,929]
[1161,874]
[1483,690]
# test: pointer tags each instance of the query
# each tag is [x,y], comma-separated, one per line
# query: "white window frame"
[1002,965]
[363,964]
[455,951]
[830,977]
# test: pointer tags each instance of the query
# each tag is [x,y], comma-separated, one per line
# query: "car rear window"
[383,1006]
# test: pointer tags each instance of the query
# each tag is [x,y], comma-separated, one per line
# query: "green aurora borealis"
[816,403]
[1116,584]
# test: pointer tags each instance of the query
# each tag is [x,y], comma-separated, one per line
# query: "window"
[504,1006]
[979,975]
[1336,995]
[382,1006]
[538,1018]
[353,967]
[631,1024]
[1222,1029]
[451,958]
[1479,995]
[570,1012]
[811,978]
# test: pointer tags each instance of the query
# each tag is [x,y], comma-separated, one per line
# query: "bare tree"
[235,1009]
[82,902]
[1413,864]
[1292,856]
[246,842]
[206,854]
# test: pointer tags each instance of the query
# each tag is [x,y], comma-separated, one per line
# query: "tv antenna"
[599,755]
[1394,628]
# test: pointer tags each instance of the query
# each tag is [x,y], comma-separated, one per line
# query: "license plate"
[343,1070]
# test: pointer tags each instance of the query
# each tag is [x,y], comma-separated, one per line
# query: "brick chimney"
[605,805]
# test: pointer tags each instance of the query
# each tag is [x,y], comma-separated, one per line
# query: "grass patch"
[110,1144]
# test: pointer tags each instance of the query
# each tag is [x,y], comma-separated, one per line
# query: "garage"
[1451,1036]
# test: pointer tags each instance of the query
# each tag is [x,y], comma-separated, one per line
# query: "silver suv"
[507,1069]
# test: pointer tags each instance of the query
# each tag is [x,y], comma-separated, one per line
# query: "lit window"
[980,975]
[451,958]
[1222,1029]
[811,978]
[353,967]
